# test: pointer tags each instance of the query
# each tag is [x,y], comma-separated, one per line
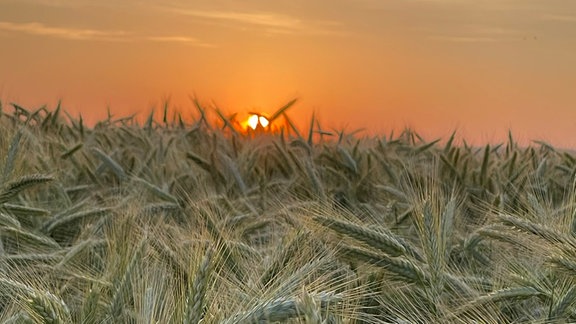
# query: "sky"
[477,67]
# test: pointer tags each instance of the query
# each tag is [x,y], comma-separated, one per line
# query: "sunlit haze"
[478,67]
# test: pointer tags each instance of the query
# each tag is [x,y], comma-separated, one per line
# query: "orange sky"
[481,67]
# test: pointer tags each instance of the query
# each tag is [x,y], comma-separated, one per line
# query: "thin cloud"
[272,23]
[464,39]
[50,3]
[179,39]
[478,34]
[70,3]
[493,30]
[39,29]
[260,19]
[560,18]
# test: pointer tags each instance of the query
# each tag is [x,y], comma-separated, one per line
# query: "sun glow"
[255,120]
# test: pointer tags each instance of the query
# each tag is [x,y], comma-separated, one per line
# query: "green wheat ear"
[13,188]
[11,156]
[197,295]
[43,306]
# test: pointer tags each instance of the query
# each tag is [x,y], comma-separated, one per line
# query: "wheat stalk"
[402,267]
[561,309]
[66,220]
[383,241]
[550,235]
[23,236]
[117,305]
[280,309]
[502,295]
[44,306]
[198,290]
[15,187]
[11,156]
[110,163]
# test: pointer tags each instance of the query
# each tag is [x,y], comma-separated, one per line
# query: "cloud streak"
[464,39]
[259,19]
[272,23]
[76,34]
[39,29]
[179,39]
[559,18]
[477,34]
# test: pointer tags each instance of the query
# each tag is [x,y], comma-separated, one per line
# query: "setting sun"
[256,120]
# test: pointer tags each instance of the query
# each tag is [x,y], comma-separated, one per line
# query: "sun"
[256,120]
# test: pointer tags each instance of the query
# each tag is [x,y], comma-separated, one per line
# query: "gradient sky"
[478,66]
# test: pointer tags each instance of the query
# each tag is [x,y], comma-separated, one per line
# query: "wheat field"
[169,221]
